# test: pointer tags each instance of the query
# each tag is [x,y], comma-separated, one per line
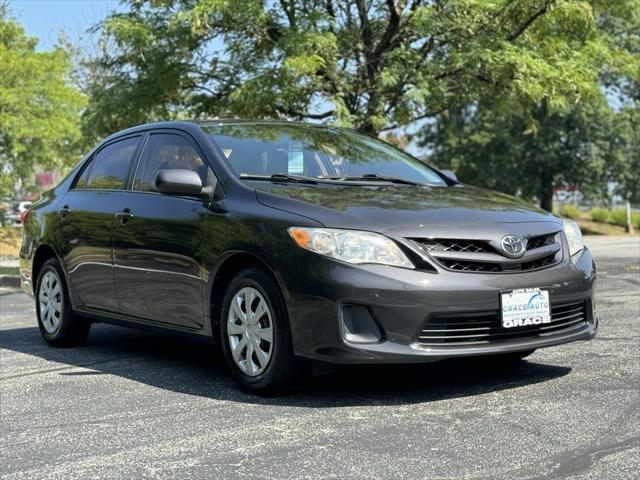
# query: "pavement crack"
[586,459]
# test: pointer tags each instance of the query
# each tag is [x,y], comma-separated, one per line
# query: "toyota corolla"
[291,244]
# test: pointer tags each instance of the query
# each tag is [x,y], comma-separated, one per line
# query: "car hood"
[380,208]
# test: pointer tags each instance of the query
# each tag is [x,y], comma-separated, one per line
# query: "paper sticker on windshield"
[296,161]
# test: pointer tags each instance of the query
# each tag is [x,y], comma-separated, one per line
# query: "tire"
[256,343]
[57,323]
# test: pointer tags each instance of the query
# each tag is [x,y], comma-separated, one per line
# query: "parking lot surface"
[131,404]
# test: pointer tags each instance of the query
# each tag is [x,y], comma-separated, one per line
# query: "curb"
[10,281]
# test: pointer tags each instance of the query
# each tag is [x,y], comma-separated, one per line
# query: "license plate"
[525,308]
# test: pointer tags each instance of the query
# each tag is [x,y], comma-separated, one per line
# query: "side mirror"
[178,182]
[449,174]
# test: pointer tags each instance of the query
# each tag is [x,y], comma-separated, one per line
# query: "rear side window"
[166,151]
[109,168]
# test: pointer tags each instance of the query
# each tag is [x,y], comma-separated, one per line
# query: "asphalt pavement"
[131,405]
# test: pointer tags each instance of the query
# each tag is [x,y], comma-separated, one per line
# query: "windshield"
[313,151]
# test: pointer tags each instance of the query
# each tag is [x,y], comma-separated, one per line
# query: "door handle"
[124,215]
[64,211]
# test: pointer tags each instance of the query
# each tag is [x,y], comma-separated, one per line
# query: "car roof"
[190,124]
[246,121]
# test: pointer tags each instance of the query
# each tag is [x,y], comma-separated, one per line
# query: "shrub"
[619,216]
[600,215]
[570,211]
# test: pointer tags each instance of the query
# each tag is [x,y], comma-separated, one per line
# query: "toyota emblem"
[512,245]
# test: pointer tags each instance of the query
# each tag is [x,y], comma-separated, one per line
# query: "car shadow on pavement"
[195,367]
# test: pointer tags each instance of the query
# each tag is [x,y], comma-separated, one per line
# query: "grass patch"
[619,217]
[10,238]
[589,227]
[570,211]
[601,215]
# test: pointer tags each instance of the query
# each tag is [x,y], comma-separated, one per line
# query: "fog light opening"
[358,326]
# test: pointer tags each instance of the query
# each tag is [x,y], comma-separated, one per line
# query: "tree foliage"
[39,107]
[587,143]
[369,64]
[498,151]
[626,170]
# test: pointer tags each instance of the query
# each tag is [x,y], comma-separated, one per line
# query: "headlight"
[350,246]
[574,237]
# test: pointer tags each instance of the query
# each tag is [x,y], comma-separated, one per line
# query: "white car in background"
[24,206]
[17,214]
[23,210]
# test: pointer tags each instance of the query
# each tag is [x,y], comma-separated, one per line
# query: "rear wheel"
[255,334]
[58,325]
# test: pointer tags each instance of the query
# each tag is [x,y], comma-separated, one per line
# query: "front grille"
[463,266]
[477,246]
[486,327]
[540,241]
[538,263]
[449,245]
[480,256]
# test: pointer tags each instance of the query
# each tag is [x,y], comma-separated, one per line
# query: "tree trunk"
[546,192]
[629,223]
[368,128]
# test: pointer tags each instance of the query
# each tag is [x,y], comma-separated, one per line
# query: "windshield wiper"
[353,180]
[374,177]
[280,177]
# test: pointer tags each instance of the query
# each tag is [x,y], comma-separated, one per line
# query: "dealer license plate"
[525,308]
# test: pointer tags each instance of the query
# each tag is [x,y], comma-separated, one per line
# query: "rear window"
[109,168]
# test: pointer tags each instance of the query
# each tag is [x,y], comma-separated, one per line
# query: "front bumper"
[401,301]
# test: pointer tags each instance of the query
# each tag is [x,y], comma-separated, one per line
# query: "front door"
[87,221]
[158,239]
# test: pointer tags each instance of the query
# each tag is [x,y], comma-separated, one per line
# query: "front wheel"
[57,323]
[255,334]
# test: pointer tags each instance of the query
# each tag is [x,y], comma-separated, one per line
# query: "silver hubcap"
[50,301]
[250,331]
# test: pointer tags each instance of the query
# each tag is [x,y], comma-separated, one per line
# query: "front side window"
[109,168]
[166,152]
[312,151]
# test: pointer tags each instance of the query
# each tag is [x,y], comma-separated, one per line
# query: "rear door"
[158,246]
[87,220]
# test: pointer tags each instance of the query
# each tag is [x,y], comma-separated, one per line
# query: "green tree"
[370,64]
[626,170]
[39,107]
[501,151]
[587,143]
[620,24]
